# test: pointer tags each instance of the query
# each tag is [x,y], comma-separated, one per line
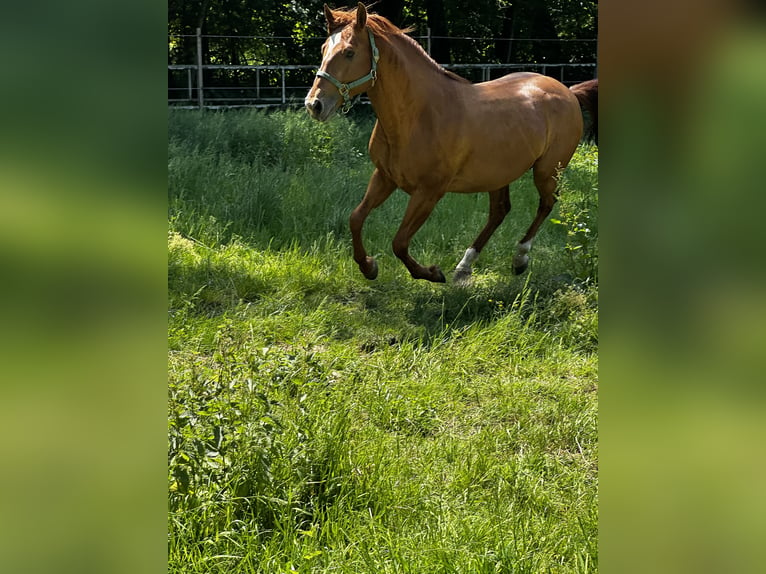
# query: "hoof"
[461,277]
[436,274]
[371,272]
[520,262]
[519,269]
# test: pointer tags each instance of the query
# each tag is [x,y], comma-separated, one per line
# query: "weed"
[577,215]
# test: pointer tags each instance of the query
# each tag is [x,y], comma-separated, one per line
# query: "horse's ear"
[330,17]
[361,16]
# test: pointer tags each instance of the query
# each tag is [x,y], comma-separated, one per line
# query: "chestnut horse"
[437,133]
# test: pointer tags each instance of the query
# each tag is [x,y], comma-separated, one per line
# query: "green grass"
[320,422]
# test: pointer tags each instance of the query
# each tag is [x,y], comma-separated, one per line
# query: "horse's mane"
[382,27]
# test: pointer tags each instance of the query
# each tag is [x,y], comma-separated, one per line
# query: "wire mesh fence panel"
[221,71]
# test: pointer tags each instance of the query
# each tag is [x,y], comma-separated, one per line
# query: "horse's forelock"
[378,24]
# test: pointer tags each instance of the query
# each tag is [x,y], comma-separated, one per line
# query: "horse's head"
[349,63]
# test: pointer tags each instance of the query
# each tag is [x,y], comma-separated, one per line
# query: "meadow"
[321,422]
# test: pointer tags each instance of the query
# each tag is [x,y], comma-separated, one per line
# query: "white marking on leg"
[465,263]
[521,258]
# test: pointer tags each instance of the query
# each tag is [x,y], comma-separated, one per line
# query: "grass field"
[320,422]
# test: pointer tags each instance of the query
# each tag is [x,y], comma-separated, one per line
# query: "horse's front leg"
[421,205]
[378,190]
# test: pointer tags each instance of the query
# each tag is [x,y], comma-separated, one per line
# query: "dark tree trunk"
[437,21]
[543,27]
[504,45]
[391,9]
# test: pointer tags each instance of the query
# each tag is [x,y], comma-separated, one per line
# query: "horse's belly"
[498,151]
[488,174]
[481,157]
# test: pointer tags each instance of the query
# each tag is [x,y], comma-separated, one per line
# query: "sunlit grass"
[321,422]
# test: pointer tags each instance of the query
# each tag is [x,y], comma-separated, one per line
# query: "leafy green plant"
[577,215]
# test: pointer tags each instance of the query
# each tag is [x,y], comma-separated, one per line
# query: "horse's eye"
[349,54]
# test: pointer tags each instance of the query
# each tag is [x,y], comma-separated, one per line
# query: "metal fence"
[200,85]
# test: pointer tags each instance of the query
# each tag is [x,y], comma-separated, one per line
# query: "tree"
[507,25]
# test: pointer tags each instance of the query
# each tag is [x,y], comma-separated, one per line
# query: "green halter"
[344,89]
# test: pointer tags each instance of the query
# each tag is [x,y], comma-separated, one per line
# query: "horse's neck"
[407,87]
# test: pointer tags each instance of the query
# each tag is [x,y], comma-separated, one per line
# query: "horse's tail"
[587,95]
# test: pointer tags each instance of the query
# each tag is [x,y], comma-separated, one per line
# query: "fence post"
[284,99]
[189,84]
[199,69]
[428,41]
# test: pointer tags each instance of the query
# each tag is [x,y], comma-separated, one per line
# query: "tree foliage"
[291,32]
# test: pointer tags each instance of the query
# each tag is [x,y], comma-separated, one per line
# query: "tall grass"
[320,422]
[265,177]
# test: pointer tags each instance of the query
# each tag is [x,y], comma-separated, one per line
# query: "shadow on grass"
[320,294]
[425,314]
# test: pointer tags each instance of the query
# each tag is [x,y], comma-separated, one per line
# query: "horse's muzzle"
[320,106]
[314,107]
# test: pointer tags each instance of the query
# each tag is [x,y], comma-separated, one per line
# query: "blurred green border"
[682,291]
[82,249]
[83,230]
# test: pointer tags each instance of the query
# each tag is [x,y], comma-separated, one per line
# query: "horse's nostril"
[314,107]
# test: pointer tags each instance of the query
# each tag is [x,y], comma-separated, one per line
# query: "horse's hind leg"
[378,190]
[499,207]
[545,178]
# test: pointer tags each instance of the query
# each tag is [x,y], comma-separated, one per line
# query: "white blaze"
[333,41]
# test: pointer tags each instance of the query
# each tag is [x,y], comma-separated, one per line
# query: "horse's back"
[528,89]
[545,103]
[511,123]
